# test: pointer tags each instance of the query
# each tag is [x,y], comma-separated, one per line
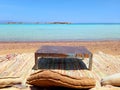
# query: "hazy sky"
[84,11]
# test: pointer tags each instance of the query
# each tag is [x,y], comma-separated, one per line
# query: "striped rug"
[22,65]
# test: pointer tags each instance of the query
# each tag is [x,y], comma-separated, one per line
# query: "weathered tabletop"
[63,52]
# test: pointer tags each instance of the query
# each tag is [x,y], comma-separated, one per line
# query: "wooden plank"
[63,50]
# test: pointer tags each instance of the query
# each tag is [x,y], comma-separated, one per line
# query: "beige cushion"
[47,78]
[4,82]
[106,88]
[111,80]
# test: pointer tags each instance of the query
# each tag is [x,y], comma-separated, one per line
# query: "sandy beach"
[60,45]
[22,58]
[109,47]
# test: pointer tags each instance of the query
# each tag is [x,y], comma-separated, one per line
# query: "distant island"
[37,23]
[59,23]
[15,22]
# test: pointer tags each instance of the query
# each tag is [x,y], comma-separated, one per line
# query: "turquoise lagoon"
[59,32]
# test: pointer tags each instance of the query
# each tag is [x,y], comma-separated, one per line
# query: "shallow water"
[55,32]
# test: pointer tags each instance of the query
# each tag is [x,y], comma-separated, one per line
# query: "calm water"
[51,32]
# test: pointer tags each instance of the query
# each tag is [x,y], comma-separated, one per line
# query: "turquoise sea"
[59,32]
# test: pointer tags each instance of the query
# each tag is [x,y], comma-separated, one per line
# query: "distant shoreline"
[55,23]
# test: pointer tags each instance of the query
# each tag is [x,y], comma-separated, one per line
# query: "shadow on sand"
[61,63]
[53,88]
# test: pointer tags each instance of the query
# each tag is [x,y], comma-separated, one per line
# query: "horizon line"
[37,22]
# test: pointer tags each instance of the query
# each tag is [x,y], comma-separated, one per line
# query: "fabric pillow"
[111,80]
[5,82]
[47,78]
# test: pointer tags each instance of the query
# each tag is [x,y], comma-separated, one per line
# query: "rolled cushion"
[106,88]
[5,82]
[111,80]
[47,78]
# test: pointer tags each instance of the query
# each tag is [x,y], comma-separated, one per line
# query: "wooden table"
[63,52]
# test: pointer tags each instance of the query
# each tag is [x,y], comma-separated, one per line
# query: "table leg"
[36,61]
[82,56]
[90,61]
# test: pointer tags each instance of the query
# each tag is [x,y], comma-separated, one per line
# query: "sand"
[109,47]
[106,47]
